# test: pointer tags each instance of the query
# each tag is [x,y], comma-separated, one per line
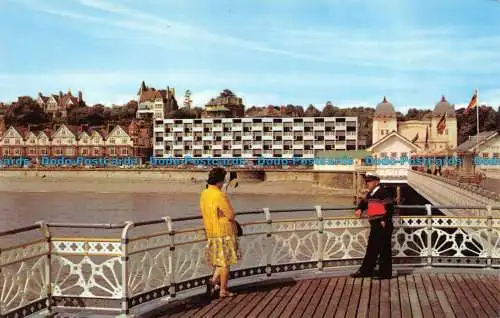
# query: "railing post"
[428,209]
[490,246]
[1,286]
[125,258]
[269,233]
[171,255]
[319,214]
[48,268]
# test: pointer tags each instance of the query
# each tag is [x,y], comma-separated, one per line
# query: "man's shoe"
[361,274]
[381,277]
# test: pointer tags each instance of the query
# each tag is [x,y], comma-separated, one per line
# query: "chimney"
[69,92]
[80,96]
[60,94]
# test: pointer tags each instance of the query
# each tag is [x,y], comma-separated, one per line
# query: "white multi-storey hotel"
[254,137]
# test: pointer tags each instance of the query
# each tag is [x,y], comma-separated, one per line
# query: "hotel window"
[18,152]
[124,140]
[485,155]
[446,132]
[6,152]
[394,154]
[112,151]
[112,141]
[6,142]
[124,151]
[496,155]
[96,151]
[84,152]
[404,155]
[18,141]
[85,140]
[32,151]
[383,154]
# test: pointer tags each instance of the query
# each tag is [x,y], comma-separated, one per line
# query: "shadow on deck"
[408,295]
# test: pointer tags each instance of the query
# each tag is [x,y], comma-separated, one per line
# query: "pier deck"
[408,295]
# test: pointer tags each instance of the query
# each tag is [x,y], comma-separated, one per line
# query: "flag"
[472,103]
[415,139]
[441,124]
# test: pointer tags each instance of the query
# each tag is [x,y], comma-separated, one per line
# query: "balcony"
[277,146]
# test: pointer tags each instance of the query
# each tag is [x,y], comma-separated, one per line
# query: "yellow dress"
[222,246]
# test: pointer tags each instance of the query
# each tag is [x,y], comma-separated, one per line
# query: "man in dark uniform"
[379,207]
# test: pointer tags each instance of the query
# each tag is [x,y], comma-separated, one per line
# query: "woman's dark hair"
[216,175]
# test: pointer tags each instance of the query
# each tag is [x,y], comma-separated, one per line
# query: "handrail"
[240,213]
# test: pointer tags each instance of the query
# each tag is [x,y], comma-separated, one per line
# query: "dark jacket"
[380,195]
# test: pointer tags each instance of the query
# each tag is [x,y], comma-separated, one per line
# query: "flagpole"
[477,116]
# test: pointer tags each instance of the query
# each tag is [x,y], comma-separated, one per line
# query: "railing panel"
[254,249]
[345,243]
[86,271]
[23,279]
[149,268]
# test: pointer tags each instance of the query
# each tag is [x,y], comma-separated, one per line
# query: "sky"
[349,52]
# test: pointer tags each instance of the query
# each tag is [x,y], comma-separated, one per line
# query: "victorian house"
[226,105]
[61,103]
[68,141]
[153,103]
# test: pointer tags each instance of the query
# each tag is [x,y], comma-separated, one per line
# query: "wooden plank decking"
[412,295]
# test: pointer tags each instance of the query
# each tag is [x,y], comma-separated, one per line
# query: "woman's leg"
[216,276]
[224,278]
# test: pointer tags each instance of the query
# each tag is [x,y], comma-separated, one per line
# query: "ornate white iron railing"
[117,274]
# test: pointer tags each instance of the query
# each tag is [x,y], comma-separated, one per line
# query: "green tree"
[329,110]
[26,111]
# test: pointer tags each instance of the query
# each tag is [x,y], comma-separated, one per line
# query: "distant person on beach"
[380,209]
[219,221]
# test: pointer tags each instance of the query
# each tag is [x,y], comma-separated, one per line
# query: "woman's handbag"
[239,229]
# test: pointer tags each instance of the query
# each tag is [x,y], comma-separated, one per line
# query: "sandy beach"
[75,185]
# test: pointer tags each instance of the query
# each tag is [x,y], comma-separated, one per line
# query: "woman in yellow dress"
[218,219]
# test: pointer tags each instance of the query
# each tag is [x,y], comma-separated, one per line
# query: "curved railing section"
[120,273]
[445,191]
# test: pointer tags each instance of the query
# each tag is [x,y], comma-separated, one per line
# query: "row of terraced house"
[71,141]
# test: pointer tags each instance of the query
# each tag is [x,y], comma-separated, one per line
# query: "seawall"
[337,180]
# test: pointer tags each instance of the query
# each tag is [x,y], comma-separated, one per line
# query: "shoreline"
[103,185]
